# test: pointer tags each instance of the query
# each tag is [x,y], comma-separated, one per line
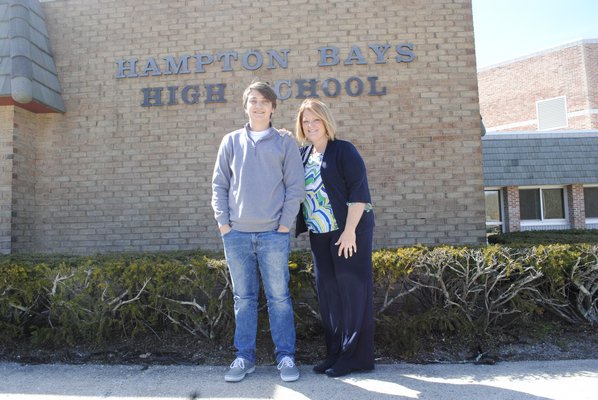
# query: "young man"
[257,187]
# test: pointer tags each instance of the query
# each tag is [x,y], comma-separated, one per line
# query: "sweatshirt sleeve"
[294,182]
[221,182]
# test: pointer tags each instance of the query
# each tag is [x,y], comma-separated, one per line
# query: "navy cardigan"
[345,179]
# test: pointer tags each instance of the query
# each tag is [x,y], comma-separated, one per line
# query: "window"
[529,204]
[590,195]
[553,204]
[541,204]
[493,211]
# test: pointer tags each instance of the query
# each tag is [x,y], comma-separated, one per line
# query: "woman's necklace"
[316,157]
[315,151]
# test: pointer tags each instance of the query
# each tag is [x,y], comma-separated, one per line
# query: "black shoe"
[337,371]
[323,366]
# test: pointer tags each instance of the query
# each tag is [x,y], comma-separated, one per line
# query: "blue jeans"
[269,252]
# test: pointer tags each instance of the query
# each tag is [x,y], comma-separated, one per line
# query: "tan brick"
[110,175]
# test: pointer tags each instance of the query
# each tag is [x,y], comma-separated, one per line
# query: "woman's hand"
[285,131]
[346,244]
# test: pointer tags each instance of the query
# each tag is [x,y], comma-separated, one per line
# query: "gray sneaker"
[288,370]
[238,369]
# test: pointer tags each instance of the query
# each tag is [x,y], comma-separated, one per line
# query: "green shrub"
[98,298]
[570,287]
[532,238]
[23,300]
[48,299]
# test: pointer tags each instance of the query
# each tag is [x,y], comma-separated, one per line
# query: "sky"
[508,29]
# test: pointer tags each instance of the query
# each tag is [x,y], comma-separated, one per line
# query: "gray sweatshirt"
[257,186]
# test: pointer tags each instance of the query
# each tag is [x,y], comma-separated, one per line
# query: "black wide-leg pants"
[344,288]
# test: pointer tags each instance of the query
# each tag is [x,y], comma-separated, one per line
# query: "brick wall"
[509,91]
[6,157]
[24,223]
[512,210]
[111,175]
[590,56]
[577,214]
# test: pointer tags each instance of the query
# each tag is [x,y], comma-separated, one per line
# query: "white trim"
[572,114]
[562,134]
[543,187]
[494,223]
[578,42]
[537,222]
[544,227]
[590,112]
[513,125]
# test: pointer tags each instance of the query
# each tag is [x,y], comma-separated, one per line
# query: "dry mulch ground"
[562,342]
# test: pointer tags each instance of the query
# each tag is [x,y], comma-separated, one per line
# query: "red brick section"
[512,213]
[509,92]
[32,106]
[577,219]
[590,53]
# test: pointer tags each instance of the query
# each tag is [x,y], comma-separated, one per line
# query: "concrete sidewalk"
[566,380]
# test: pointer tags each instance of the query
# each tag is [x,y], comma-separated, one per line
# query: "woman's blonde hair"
[322,112]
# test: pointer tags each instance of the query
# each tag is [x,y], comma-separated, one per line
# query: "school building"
[541,152]
[111,113]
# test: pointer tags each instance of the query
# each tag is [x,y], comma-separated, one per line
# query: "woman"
[338,214]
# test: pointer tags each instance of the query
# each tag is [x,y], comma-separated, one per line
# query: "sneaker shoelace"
[238,363]
[286,362]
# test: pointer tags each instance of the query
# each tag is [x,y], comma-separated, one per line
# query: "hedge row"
[58,299]
[533,238]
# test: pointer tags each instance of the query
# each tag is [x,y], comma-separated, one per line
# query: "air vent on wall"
[552,113]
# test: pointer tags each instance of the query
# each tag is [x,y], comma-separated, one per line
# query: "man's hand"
[283,229]
[224,229]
